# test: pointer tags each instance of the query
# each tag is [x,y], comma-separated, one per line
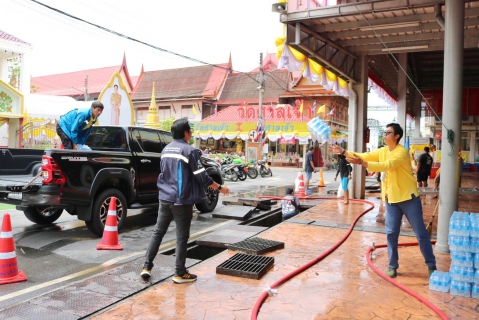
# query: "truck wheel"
[42,215]
[100,211]
[211,201]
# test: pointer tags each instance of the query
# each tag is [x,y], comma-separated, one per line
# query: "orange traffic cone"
[109,241]
[301,191]
[321,178]
[9,272]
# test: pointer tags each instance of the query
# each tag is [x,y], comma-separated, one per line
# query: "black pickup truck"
[124,163]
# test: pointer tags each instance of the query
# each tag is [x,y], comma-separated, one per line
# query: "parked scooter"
[264,169]
[242,171]
[228,169]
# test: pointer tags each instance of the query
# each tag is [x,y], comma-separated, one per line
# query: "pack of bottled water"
[461,288]
[475,291]
[464,246]
[461,273]
[319,129]
[440,281]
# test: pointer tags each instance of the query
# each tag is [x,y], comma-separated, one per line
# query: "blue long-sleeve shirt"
[77,124]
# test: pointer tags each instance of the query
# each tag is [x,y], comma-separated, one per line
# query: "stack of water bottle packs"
[463,276]
[319,129]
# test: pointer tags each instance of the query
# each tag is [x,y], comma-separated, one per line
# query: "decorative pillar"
[402,79]
[152,118]
[451,117]
[417,116]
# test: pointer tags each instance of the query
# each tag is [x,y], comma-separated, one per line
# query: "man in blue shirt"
[181,184]
[74,127]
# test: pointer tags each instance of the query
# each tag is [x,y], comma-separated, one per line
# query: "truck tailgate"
[9,181]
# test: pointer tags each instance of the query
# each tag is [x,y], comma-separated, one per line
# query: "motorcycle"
[251,166]
[264,169]
[228,169]
[241,171]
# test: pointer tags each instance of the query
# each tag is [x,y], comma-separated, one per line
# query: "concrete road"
[65,252]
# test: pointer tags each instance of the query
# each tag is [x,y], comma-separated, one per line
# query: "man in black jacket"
[424,166]
[181,184]
[345,169]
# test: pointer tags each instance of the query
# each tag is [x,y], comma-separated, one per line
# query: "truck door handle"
[145,161]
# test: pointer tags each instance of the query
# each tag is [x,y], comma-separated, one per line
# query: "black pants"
[66,141]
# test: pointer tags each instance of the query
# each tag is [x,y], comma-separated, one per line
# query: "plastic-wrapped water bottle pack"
[464,246]
[320,130]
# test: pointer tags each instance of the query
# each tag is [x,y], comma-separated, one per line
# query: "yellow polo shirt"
[400,182]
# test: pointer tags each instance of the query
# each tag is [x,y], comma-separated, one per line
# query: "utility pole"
[86,89]
[261,89]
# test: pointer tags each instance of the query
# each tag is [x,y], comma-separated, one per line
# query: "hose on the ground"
[309,264]
[399,285]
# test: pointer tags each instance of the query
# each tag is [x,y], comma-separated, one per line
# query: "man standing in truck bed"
[74,127]
[181,184]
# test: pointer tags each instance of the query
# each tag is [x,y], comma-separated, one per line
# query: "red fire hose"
[309,264]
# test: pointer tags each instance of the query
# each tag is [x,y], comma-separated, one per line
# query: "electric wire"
[136,40]
[450,132]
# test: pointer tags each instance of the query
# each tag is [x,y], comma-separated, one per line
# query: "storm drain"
[256,246]
[245,266]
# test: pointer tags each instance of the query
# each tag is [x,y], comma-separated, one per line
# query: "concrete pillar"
[417,116]
[357,124]
[402,80]
[472,147]
[3,66]
[13,140]
[452,110]
[25,73]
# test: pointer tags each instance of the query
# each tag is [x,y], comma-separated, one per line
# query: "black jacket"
[183,178]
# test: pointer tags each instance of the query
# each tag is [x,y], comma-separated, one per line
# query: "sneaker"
[430,271]
[187,277]
[145,274]
[391,273]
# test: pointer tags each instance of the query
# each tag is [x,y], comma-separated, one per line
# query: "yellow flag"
[301,107]
[194,110]
[321,109]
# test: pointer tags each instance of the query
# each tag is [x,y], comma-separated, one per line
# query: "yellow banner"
[271,127]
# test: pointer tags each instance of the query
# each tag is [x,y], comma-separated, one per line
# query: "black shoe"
[145,274]
[430,271]
[187,277]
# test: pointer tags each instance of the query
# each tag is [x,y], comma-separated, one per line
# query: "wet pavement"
[342,286]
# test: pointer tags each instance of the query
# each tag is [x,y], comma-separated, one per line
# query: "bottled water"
[440,281]
[476,261]
[476,276]
[474,225]
[464,259]
[475,291]
[433,281]
[461,288]
[465,225]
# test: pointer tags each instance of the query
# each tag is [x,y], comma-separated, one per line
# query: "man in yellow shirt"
[399,191]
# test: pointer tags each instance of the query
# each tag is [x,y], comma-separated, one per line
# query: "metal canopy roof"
[336,36]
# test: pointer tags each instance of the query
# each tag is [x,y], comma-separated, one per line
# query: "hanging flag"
[264,138]
[194,110]
[216,109]
[331,112]
[321,109]
[301,107]
[314,107]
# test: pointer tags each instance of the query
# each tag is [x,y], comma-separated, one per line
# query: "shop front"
[11,115]
[234,128]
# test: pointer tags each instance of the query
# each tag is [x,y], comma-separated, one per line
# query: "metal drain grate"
[245,266]
[256,246]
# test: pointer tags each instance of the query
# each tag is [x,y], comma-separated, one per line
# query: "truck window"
[107,138]
[166,137]
[150,141]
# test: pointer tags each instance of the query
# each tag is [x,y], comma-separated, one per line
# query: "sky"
[207,30]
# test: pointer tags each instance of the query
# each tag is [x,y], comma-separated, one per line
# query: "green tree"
[166,124]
